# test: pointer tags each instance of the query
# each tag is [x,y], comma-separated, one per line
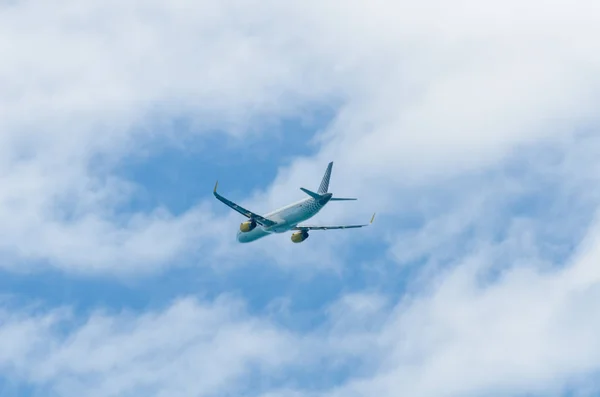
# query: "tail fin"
[324,187]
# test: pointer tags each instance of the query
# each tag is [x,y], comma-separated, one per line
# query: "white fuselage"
[286,218]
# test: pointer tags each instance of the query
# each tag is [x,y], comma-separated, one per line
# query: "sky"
[470,127]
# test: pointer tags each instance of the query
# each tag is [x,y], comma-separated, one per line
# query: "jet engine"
[248,225]
[299,236]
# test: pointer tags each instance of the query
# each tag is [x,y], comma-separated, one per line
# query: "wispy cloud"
[476,121]
[187,348]
[530,330]
[421,90]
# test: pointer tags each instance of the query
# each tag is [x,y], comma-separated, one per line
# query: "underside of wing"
[249,214]
[307,227]
[310,227]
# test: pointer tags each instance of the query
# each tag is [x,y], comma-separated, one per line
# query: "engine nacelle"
[299,236]
[248,225]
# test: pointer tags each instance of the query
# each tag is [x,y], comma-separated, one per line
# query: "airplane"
[289,217]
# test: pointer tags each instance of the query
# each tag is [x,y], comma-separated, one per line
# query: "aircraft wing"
[249,214]
[308,227]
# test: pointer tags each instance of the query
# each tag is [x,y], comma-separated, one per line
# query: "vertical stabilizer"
[324,187]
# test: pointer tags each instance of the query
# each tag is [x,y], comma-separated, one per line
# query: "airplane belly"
[253,235]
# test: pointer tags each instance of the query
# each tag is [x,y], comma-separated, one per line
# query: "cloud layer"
[471,128]
[427,89]
[530,330]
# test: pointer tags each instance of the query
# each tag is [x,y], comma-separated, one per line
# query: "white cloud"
[188,348]
[532,329]
[425,89]
[85,85]
[432,89]
[529,331]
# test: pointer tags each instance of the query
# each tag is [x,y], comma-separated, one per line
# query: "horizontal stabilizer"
[314,195]
[342,199]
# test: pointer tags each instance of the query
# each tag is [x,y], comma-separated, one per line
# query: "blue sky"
[471,135]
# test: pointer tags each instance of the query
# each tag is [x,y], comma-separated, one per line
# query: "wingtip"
[372,218]
[215,189]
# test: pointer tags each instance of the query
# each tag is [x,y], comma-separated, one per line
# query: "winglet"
[216,184]
[372,218]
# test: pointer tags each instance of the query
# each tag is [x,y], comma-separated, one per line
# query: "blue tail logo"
[324,187]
